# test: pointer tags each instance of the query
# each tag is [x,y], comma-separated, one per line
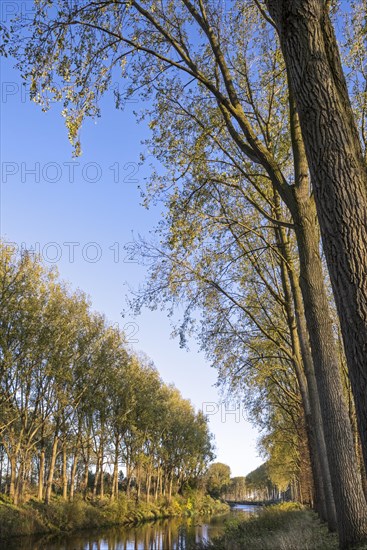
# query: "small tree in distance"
[218,479]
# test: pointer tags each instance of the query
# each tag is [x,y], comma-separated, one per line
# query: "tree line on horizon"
[257,486]
[257,112]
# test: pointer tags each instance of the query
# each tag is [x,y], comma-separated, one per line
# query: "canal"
[166,534]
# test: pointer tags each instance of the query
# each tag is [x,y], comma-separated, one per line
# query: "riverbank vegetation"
[260,134]
[77,405]
[60,516]
[286,526]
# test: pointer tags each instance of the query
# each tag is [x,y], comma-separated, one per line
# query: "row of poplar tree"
[258,115]
[76,406]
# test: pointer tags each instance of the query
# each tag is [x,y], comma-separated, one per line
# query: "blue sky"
[79,214]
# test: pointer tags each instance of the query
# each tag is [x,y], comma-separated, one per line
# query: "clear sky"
[79,214]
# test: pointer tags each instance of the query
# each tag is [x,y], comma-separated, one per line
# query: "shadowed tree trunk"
[339,180]
[347,488]
[341,456]
[325,504]
[337,168]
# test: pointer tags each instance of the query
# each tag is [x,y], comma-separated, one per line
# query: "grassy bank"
[283,527]
[59,516]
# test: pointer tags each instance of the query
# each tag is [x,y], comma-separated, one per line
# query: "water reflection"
[247,508]
[168,534]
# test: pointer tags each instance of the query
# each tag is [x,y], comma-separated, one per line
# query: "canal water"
[167,534]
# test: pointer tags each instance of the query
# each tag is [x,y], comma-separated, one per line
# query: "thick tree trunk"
[324,501]
[347,488]
[337,168]
[337,429]
[324,497]
[315,422]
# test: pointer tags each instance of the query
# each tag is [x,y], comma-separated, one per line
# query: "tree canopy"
[75,399]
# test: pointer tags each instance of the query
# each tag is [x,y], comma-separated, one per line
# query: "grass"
[59,516]
[285,526]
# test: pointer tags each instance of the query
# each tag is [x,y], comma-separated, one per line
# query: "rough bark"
[315,416]
[324,498]
[338,433]
[347,488]
[337,168]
